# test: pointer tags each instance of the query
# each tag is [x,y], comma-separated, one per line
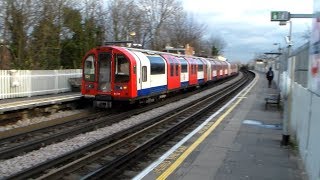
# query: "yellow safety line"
[186,153]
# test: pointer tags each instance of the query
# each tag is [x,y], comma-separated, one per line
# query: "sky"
[245,25]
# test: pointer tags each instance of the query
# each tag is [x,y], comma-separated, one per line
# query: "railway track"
[110,156]
[12,146]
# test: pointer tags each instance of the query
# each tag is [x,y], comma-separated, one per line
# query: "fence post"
[56,81]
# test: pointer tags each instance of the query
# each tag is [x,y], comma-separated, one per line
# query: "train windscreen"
[121,69]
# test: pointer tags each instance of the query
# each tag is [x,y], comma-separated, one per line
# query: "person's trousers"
[270,82]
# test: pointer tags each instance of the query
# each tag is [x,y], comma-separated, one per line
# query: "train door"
[173,72]
[205,70]
[143,74]
[192,71]
[104,72]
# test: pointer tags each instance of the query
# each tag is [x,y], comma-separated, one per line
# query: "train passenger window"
[121,69]
[200,65]
[184,65]
[171,68]
[177,69]
[157,65]
[191,69]
[144,74]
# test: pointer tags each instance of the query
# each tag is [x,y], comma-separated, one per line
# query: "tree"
[214,51]
[82,30]
[50,34]
[218,44]
[183,29]
[72,38]
[212,46]
[155,14]
[46,38]
[16,22]
[94,24]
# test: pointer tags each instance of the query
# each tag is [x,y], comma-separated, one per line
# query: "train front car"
[109,74]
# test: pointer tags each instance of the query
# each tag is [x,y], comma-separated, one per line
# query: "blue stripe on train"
[184,84]
[152,90]
[200,81]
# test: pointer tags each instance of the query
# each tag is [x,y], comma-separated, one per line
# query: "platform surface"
[244,145]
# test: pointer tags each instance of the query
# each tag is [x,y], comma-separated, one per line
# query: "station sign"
[280,16]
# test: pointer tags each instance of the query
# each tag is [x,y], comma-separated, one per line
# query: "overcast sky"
[245,25]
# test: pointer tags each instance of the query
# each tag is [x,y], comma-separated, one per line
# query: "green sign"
[280,16]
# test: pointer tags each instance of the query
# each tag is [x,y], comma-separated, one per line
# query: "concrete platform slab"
[236,151]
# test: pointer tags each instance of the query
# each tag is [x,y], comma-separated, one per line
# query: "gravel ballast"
[11,166]
[28,121]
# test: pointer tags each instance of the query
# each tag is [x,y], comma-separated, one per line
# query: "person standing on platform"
[269,76]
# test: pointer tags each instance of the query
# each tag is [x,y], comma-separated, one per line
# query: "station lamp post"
[283,17]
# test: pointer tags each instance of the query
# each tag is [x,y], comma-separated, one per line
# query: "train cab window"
[184,65]
[157,65]
[89,68]
[121,69]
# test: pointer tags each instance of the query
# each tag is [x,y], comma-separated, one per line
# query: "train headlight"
[120,87]
[117,87]
[91,86]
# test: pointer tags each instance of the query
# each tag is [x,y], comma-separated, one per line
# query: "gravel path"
[16,164]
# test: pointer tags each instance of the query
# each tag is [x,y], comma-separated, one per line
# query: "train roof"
[152,52]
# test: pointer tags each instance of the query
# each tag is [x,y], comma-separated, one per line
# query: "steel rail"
[91,147]
[117,165]
[89,124]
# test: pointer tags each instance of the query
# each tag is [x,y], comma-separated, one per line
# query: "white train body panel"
[149,83]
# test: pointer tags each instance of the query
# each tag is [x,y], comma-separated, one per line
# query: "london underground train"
[119,74]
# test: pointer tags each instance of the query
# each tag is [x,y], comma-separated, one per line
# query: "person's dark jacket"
[269,75]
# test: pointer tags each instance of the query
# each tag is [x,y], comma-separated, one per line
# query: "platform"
[242,141]
[35,101]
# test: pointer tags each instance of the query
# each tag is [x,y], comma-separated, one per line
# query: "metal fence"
[301,56]
[27,83]
[280,65]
